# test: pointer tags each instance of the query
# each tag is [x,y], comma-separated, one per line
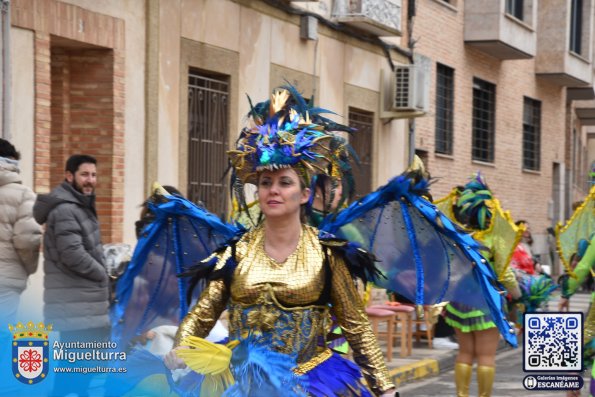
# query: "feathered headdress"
[474,207]
[287,132]
[472,204]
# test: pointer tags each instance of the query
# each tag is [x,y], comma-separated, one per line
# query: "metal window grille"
[444,109]
[361,141]
[208,114]
[484,101]
[576,25]
[515,8]
[531,134]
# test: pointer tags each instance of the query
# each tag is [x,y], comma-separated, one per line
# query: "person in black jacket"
[76,293]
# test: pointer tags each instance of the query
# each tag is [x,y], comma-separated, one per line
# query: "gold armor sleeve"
[348,307]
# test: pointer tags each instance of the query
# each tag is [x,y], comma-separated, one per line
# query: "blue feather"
[344,381]
[259,371]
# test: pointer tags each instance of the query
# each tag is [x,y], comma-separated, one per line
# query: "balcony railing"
[379,17]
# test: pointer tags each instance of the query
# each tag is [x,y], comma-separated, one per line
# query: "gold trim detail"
[315,361]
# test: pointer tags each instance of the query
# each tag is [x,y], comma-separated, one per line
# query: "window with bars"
[444,109]
[531,134]
[361,141]
[208,115]
[484,109]
[515,8]
[576,25]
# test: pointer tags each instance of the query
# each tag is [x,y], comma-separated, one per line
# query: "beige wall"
[22,114]
[168,109]
[270,50]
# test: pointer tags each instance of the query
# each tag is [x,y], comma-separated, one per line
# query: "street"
[509,371]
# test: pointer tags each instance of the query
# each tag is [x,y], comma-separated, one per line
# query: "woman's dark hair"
[146,215]
[74,162]
[8,150]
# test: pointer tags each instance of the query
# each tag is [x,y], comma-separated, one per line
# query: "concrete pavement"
[425,362]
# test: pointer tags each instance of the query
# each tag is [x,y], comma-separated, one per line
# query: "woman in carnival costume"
[280,280]
[474,207]
[576,239]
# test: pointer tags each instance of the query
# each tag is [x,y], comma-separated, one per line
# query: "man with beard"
[76,293]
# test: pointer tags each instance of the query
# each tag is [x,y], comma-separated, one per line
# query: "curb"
[426,368]
[415,371]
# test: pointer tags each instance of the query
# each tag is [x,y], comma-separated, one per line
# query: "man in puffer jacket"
[76,281]
[20,235]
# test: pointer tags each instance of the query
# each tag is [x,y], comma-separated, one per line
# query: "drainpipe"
[6,72]
[410,45]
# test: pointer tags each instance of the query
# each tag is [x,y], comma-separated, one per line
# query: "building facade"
[507,81]
[157,91]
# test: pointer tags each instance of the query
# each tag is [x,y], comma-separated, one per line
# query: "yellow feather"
[205,357]
[211,360]
[158,189]
[278,101]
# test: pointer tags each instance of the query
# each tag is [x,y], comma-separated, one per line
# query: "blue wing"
[421,253]
[150,293]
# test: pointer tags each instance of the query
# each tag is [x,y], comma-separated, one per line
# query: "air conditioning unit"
[410,89]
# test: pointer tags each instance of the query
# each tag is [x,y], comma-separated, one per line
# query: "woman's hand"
[172,361]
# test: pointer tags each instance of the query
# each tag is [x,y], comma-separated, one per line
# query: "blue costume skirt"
[147,376]
[336,376]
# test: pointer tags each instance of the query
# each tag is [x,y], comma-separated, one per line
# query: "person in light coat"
[20,235]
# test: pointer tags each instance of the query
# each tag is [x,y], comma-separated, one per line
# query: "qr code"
[553,342]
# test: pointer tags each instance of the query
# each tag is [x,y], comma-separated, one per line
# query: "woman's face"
[280,193]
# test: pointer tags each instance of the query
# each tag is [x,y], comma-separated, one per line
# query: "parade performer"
[282,279]
[577,239]
[476,209]
[278,280]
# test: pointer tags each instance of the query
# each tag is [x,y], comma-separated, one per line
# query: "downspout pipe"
[6,70]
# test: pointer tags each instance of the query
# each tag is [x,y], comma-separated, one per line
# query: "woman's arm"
[202,317]
[200,320]
[349,310]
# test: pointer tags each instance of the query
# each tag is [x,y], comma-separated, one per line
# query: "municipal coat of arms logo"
[30,352]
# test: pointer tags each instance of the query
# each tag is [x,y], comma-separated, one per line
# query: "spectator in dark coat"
[76,281]
[76,293]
